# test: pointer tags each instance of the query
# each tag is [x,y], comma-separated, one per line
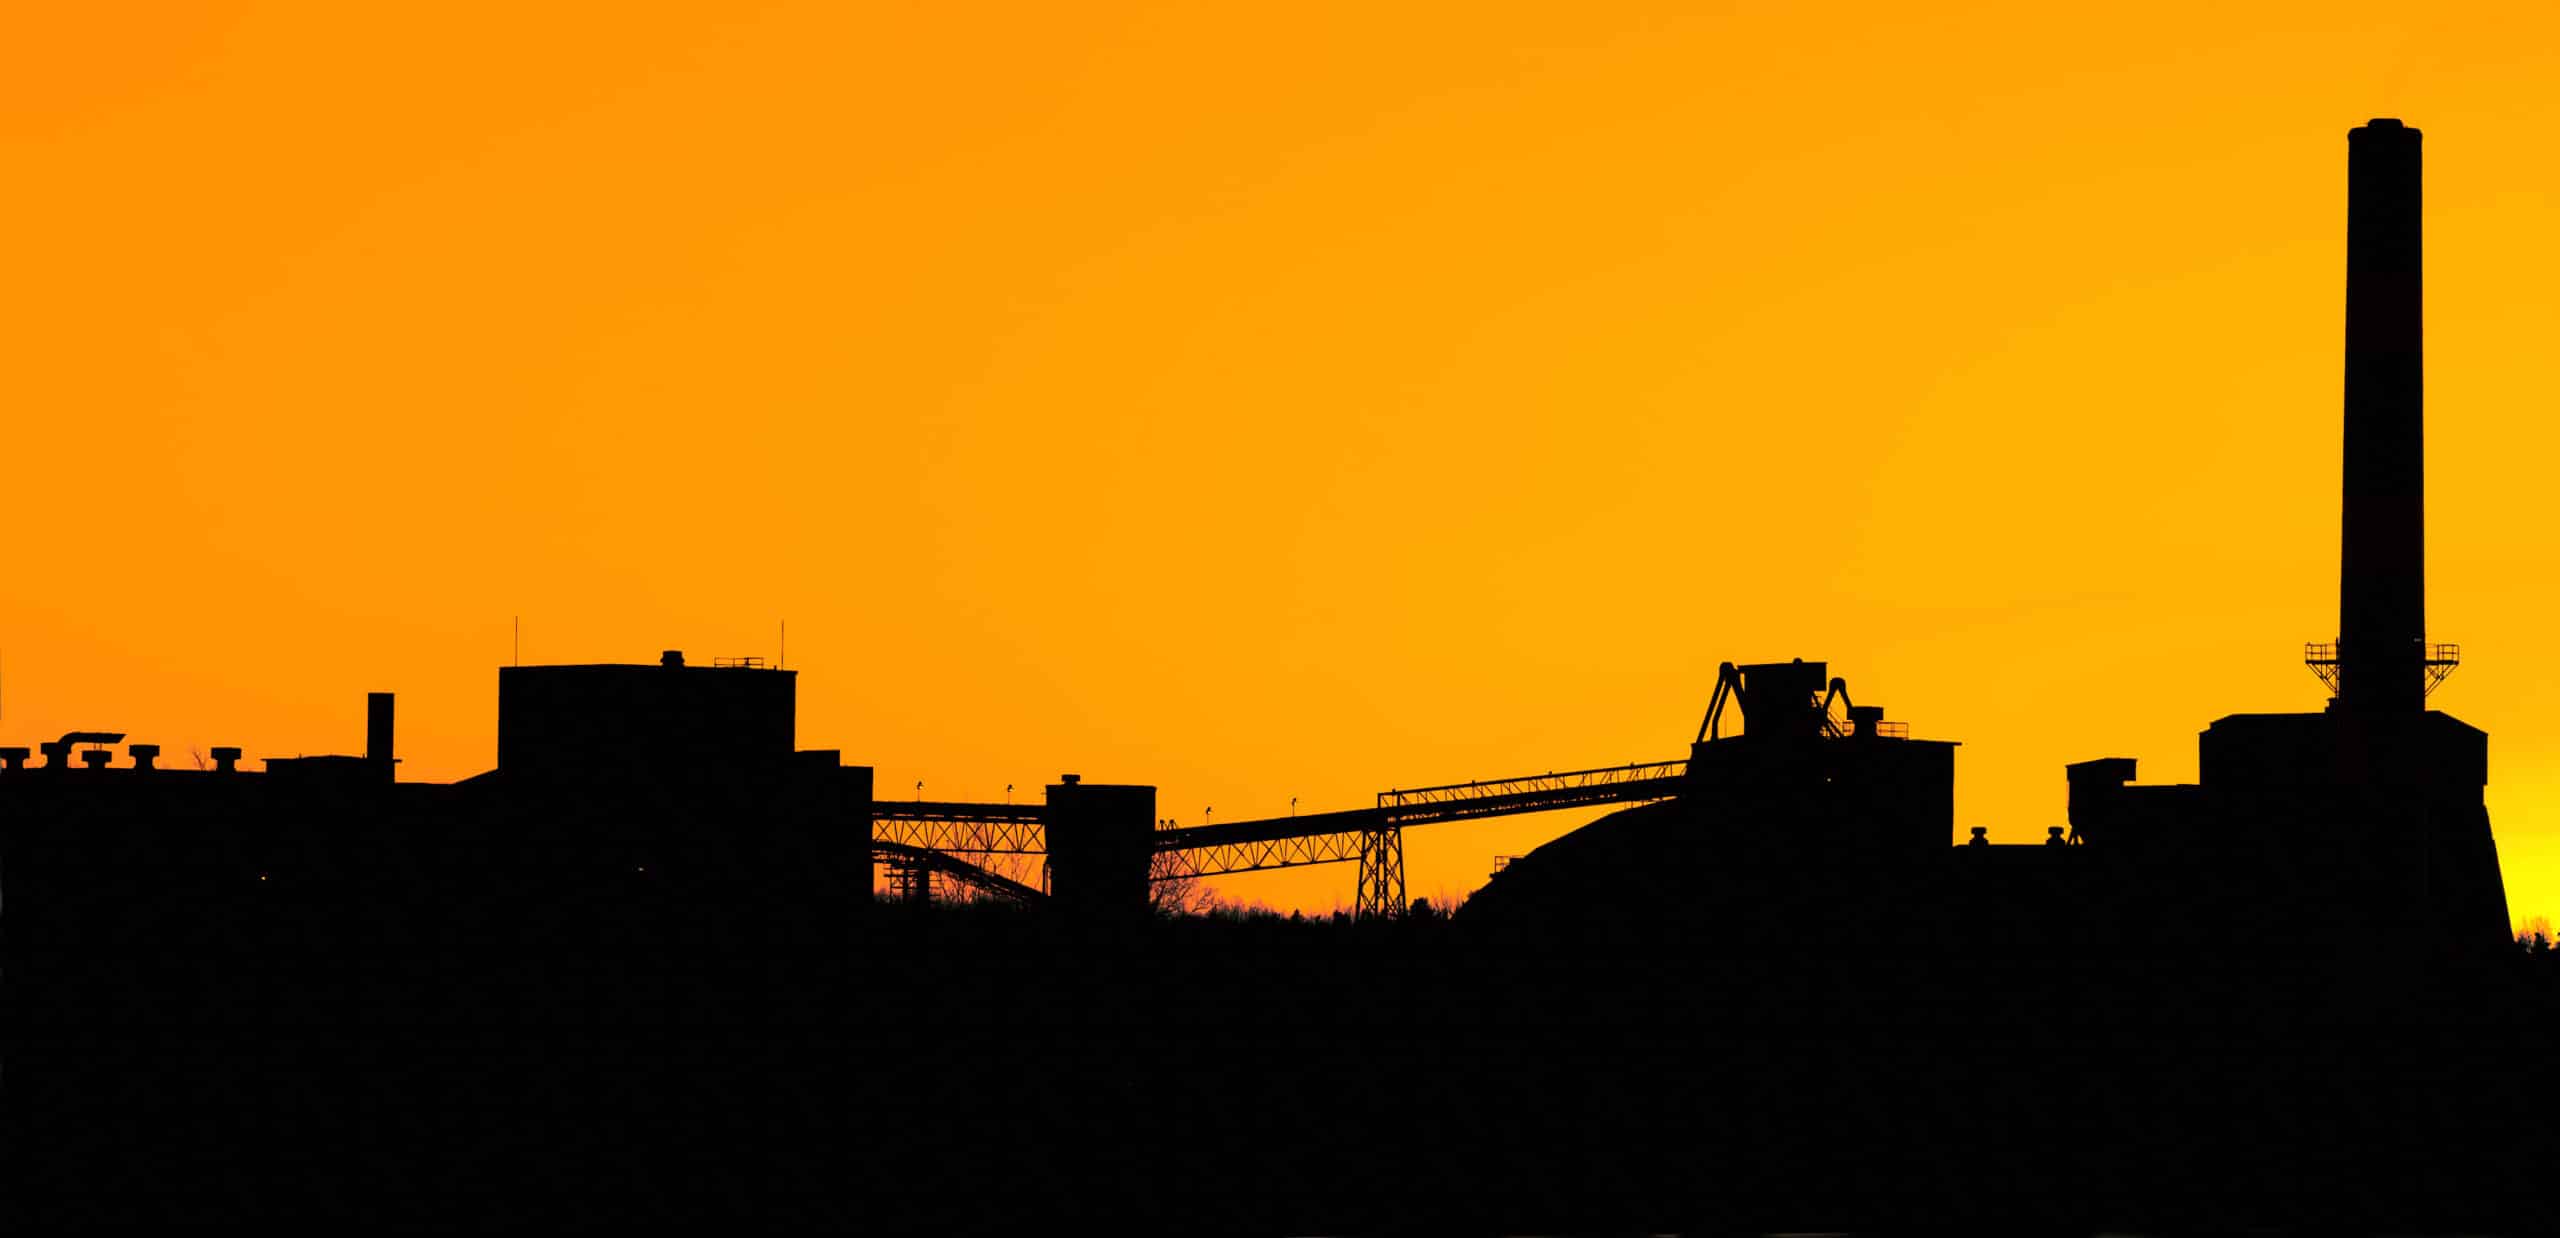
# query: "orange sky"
[1260,404]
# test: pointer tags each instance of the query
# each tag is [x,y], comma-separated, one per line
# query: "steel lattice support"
[909,880]
[1374,837]
[981,829]
[1381,874]
[915,872]
[1616,784]
[970,837]
[1175,859]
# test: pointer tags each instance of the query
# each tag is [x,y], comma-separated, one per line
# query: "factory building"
[614,722]
[613,777]
[2359,828]
[660,799]
[2367,815]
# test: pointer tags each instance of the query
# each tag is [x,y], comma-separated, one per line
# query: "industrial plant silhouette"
[637,971]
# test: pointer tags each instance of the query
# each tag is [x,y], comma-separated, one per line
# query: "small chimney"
[13,758]
[144,755]
[377,733]
[1981,837]
[672,659]
[96,758]
[226,760]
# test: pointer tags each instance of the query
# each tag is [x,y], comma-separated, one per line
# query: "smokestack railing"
[2438,659]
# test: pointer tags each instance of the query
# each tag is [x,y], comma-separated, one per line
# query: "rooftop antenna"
[519,640]
[782,645]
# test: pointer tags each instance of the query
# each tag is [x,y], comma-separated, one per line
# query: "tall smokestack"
[2382,569]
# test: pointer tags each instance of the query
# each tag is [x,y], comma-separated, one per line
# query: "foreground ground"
[981,1067]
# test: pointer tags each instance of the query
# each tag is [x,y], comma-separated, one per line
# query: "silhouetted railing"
[2438,660]
[1615,784]
[981,829]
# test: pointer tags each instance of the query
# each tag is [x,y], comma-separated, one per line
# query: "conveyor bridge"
[1371,837]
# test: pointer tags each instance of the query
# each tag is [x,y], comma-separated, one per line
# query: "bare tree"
[1173,892]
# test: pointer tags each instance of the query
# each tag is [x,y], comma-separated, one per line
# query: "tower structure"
[2382,661]
[2366,821]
